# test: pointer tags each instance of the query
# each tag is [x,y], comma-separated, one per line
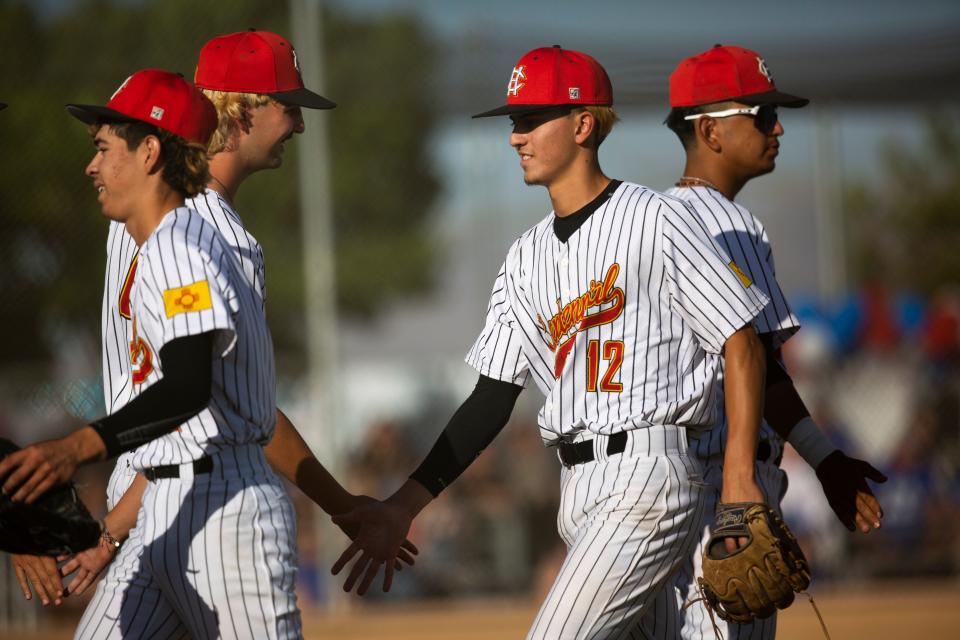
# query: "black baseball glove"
[56,524]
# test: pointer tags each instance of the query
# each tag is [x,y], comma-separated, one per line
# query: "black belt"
[572,453]
[203,465]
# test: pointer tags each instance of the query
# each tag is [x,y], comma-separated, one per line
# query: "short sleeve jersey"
[744,240]
[116,328]
[188,282]
[622,324]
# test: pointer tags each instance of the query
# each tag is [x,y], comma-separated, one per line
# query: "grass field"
[902,610]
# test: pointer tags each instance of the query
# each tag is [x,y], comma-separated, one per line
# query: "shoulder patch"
[744,279]
[193,297]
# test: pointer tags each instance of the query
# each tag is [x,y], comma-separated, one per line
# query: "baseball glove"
[758,578]
[56,524]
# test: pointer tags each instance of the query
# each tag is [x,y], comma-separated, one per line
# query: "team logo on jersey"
[123,304]
[744,278]
[763,69]
[572,318]
[193,297]
[517,80]
[141,357]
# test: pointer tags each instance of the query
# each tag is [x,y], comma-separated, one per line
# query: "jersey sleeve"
[777,318]
[498,351]
[185,289]
[710,291]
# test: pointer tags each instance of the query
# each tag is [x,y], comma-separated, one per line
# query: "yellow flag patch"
[744,280]
[193,297]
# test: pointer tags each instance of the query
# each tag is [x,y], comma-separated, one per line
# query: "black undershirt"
[564,227]
[183,392]
[474,426]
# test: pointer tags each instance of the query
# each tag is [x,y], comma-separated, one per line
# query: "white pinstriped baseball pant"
[667,618]
[628,520]
[212,556]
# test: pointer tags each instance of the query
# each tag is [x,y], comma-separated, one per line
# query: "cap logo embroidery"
[516,79]
[574,93]
[296,62]
[762,68]
[120,88]
[156,113]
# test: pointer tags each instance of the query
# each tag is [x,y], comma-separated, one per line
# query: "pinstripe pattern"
[743,238]
[680,302]
[620,326]
[694,619]
[185,249]
[253,566]
[627,520]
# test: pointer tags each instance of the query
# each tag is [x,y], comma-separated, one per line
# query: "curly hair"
[184,163]
[233,109]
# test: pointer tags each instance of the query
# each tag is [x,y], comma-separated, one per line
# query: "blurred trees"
[51,231]
[906,231]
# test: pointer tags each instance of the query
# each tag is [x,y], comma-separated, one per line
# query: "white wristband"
[811,443]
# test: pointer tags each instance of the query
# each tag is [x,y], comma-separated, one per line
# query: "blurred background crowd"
[863,212]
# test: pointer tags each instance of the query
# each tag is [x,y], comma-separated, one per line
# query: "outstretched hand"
[844,481]
[378,530]
[87,565]
[41,573]
[407,549]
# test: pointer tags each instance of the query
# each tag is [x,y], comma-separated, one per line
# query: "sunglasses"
[764,116]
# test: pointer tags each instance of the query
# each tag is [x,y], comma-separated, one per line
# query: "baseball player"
[204,405]
[258,95]
[620,308]
[724,110]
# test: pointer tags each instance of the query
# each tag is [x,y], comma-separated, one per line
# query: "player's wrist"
[810,442]
[86,445]
[411,498]
[107,539]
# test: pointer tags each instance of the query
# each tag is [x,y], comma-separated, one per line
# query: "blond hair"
[233,110]
[606,117]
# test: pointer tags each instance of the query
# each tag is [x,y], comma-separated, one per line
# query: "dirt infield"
[915,611]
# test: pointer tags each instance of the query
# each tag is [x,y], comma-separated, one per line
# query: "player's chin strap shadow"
[713,621]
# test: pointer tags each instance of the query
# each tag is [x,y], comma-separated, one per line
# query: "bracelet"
[107,536]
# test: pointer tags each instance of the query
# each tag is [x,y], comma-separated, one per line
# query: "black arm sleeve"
[182,393]
[783,407]
[474,426]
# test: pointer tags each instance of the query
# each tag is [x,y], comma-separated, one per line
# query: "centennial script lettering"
[574,316]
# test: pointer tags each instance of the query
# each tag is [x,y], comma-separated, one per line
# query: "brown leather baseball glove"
[758,578]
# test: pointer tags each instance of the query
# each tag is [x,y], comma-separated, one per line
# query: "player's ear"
[586,126]
[150,149]
[707,131]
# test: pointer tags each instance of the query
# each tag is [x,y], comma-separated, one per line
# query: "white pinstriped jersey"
[620,326]
[116,329]
[744,239]
[188,282]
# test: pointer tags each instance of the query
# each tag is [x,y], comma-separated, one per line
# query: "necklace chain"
[692,181]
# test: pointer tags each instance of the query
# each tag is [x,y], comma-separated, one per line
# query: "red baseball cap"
[256,62]
[161,98]
[551,77]
[726,72]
